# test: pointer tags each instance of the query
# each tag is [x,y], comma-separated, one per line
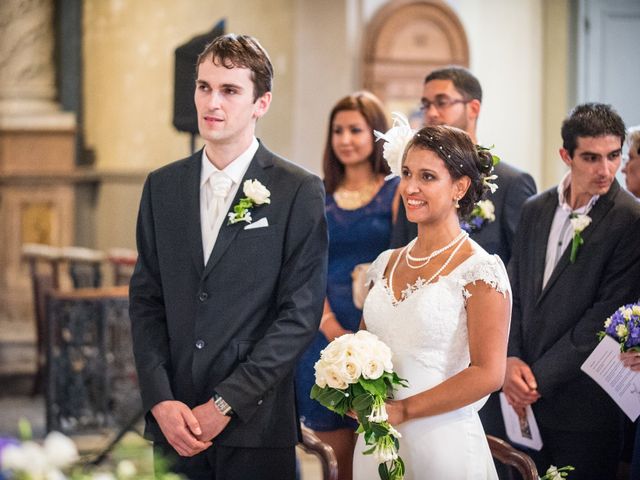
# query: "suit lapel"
[543,227]
[191,187]
[597,214]
[258,170]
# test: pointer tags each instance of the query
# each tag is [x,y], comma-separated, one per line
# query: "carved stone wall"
[26,56]
[405,41]
[37,167]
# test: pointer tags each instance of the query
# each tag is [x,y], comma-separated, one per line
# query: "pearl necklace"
[432,278]
[425,260]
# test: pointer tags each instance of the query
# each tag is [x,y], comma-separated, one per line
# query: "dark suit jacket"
[554,330]
[238,325]
[514,187]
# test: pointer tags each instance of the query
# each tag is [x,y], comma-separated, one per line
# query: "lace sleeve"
[376,270]
[489,270]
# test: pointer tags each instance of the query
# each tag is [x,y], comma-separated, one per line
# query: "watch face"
[223,406]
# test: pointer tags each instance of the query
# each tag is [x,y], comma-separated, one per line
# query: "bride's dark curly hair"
[460,156]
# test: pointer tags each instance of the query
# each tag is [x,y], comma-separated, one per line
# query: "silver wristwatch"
[222,405]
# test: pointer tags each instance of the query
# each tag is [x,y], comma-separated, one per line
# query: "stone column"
[37,166]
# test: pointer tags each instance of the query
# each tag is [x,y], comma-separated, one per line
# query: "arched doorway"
[404,41]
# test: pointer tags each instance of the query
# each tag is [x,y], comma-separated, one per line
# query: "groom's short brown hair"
[241,51]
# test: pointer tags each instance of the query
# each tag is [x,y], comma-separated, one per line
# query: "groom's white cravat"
[218,188]
[216,191]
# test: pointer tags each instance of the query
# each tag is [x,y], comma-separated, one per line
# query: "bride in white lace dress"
[442,304]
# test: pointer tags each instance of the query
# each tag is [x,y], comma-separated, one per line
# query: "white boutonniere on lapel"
[255,194]
[579,221]
[483,212]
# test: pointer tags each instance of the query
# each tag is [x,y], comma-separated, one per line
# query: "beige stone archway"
[404,41]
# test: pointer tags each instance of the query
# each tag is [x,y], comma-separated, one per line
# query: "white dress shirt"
[235,171]
[561,233]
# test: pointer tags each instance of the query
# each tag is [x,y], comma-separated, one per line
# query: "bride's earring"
[457,203]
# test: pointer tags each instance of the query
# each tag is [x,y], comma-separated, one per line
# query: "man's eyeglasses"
[440,103]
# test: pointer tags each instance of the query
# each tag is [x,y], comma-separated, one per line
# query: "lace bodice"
[427,327]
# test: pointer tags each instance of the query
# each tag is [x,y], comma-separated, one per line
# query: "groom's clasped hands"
[188,431]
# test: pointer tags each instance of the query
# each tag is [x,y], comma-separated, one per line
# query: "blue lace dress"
[355,236]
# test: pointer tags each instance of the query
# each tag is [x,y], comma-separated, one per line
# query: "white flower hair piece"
[396,138]
[489,182]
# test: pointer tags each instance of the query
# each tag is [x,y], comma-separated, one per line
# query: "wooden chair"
[313,445]
[84,265]
[507,454]
[123,260]
[43,261]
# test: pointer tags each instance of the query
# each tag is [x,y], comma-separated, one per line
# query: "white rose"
[636,310]
[55,475]
[373,369]
[13,458]
[621,331]
[103,476]
[580,222]
[321,378]
[607,322]
[257,192]
[334,354]
[126,469]
[351,371]
[488,209]
[60,450]
[335,378]
[29,458]
[627,314]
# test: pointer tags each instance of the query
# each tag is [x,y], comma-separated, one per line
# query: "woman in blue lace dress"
[360,208]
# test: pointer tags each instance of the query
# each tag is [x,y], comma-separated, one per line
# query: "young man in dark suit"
[562,295]
[453,96]
[224,300]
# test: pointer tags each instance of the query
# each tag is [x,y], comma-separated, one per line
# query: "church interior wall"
[316,50]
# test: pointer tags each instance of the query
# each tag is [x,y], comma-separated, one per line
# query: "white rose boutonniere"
[557,473]
[579,222]
[256,194]
[397,138]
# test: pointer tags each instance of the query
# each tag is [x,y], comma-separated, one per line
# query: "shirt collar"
[562,200]
[235,170]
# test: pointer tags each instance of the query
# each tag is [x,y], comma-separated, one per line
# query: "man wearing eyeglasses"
[453,96]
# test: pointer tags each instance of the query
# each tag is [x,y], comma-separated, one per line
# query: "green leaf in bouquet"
[380,429]
[398,381]
[369,450]
[316,390]
[375,387]
[362,402]
[383,471]
[332,398]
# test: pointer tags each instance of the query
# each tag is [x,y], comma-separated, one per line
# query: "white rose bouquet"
[355,373]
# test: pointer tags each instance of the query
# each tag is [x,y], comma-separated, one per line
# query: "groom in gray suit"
[562,295]
[229,285]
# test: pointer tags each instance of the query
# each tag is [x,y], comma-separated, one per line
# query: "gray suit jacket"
[554,329]
[237,325]
[514,187]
